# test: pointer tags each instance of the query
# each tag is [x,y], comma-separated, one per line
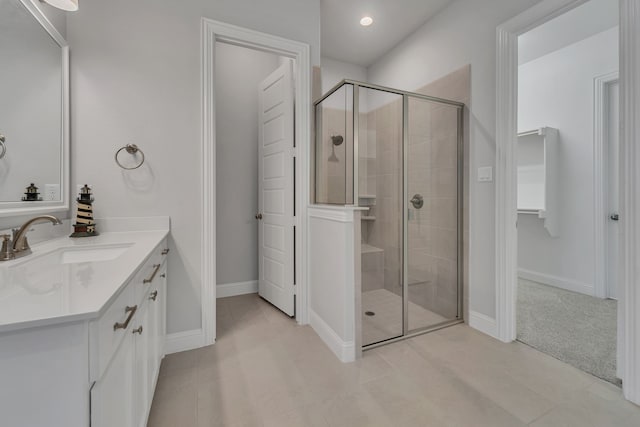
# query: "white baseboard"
[345,350]
[183,341]
[483,323]
[558,282]
[238,288]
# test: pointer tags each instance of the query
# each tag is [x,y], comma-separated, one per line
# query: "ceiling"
[344,39]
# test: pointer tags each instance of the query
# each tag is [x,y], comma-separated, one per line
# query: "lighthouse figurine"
[85,226]
[32,195]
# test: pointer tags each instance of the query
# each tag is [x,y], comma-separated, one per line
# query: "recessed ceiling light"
[366,21]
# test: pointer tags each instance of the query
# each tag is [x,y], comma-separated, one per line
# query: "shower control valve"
[417,201]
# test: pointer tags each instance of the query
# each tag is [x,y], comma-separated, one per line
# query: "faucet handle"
[6,253]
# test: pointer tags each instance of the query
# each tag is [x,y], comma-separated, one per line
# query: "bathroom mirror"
[34,115]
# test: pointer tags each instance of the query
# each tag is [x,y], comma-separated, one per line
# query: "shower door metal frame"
[406,332]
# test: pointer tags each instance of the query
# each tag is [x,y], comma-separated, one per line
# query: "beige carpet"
[575,328]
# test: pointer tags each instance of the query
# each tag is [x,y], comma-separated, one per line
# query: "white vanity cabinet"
[122,393]
[112,397]
[95,360]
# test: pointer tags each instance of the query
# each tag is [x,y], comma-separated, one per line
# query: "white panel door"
[275,190]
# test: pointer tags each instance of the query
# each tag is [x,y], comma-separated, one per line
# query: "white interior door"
[275,190]
[612,189]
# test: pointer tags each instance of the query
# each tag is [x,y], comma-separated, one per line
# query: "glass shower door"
[379,155]
[432,222]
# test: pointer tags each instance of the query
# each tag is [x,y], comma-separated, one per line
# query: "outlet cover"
[51,192]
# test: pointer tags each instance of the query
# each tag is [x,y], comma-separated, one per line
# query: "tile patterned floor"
[387,322]
[265,371]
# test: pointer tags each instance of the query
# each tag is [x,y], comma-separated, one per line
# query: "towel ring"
[3,147]
[131,149]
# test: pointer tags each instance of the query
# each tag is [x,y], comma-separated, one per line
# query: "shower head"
[336,140]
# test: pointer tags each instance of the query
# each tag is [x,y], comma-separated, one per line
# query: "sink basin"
[74,255]
[92,253]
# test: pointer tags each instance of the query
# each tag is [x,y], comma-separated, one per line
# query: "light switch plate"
[485,174]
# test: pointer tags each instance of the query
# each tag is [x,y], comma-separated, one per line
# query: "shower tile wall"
[334,164]
[432,229]
[383,160]
[372,257]
[432,172]
[456,86]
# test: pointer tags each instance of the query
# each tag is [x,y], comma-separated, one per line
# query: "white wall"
[334,71]
[239,71]
[464,33]
[557,90]
[135,78]
[584,21]
[57,17]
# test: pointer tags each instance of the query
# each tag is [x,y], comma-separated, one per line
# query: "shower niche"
[399,155]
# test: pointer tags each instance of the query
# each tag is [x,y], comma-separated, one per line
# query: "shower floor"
[387,321]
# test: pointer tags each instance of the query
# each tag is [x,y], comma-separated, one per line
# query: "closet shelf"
[538,176]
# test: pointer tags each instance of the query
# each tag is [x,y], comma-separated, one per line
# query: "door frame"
[506,213]
[600,174]
[212,32]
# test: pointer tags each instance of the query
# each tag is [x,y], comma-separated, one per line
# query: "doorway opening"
[567,188]
[255,167]
[296,159]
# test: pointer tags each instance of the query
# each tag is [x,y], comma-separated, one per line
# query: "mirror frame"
[19,208]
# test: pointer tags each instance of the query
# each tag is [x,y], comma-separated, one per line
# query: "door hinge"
[293,151]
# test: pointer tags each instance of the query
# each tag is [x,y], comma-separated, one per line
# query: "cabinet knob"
[138,330]
[163,275]
[165,251]
[153,295]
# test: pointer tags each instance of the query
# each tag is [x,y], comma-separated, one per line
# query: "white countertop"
[47,292]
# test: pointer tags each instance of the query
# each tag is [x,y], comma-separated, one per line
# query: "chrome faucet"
[20,246]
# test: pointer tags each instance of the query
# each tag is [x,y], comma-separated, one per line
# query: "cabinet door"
[140,333]
[156,331]
[112,396]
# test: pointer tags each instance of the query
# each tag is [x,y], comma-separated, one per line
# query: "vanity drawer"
[148,277]
[112,327]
